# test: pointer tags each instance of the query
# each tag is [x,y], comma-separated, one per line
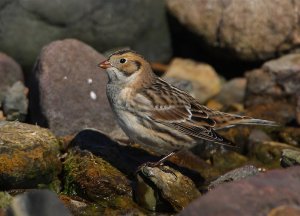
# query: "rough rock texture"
[93,178]
[290,157]
[275,85]
[156,185]
[28,155]
[140,25]
[232,92]
[68,90]
[10,72]
[248,30]
[206,82]
[48,204]
[274,188]
[15,103]
[236,174]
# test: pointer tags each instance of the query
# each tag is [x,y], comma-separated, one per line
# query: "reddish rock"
[256,195]
[10,72]
[68,90]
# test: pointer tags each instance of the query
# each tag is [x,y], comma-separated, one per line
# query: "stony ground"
[60,144]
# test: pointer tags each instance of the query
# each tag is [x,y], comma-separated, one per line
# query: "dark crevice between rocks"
[187,44]
[34,98]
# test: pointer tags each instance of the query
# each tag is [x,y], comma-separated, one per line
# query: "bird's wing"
[176,109]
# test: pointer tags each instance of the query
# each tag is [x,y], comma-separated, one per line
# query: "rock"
[232,92]
[268,152]
[227,160]
[205,81]
[28,155]
[10,72]
[290,157]
[120,206]
[274,188]
[239,29]
[233,175]
[184,85]
[156,185]
[48,204]
[276,86]
[5,200]
[68,90]
[285,210]
[15,104]
[290,135]
[102,24]
[93,178]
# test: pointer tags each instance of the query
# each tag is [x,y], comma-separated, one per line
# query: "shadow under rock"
[125,157]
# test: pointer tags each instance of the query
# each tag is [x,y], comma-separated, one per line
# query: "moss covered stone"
[28,155]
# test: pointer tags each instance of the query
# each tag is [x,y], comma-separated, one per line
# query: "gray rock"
[28,155]
[10,72]
[247,30]
[290,157]
[275,85]
[257,195]
[68,90]
[37,203]
[141,25]
[15,104]
[236,174]
[232,92]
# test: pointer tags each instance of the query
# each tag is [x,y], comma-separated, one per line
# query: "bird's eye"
[122,60]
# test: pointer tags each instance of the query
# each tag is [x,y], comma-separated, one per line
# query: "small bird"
[158,115]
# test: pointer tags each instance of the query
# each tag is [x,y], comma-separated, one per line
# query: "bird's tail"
[230,120]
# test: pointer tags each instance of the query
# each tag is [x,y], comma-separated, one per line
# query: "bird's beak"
[105,64]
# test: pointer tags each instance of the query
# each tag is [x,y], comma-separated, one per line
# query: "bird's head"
[126,66]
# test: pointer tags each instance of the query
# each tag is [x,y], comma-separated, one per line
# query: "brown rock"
[206,82]
[248,30]
[10,72]
[28,155]
[284,210]
[68,90]
[256,195]
[276,86]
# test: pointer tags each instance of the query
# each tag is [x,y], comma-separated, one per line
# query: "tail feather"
[233,120]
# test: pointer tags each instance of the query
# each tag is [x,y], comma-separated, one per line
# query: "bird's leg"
[158,163]
[162,160]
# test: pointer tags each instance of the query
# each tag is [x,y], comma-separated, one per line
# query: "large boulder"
[258,195]
[248,30]
[68,90]
[28,25]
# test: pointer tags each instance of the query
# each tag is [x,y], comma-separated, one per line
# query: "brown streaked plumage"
[155,114]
